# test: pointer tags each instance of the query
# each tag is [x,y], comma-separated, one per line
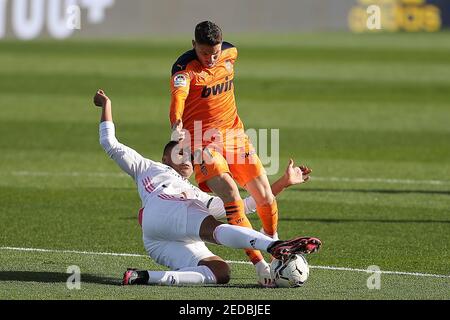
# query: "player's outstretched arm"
[128,159]
[292,176]
[101,100]
[179,87]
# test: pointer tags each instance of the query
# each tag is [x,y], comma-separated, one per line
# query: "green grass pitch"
[368,113]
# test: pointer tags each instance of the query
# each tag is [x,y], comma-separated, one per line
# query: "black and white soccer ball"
[290,273]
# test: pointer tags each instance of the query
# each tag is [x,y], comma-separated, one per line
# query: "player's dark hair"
[169,146]
[209,33]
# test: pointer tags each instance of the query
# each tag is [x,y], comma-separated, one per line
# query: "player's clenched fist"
[100,98]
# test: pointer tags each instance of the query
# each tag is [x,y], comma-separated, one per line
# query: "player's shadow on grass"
[334,220]
[384,191]
[239,286]
[50,277]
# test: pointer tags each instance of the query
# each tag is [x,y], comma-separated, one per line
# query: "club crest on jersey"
[179,81]
[229,65]
[217,89]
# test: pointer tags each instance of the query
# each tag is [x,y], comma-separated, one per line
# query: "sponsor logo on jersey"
[217,89]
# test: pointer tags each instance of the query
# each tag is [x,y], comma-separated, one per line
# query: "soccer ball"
[290,273]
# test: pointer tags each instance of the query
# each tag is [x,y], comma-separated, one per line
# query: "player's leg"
[237,237]
[190,263]
[213,174]
[225,188]
[266,204]
[165,221]
[219,268]
[250,174]
[171,234]
[210,269]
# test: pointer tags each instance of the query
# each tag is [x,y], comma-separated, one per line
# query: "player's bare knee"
[231,186]
[225,276]
[230,195]
[222,273]
[224,186]
[219,268]
[261,191]
[265,199]
[207,228]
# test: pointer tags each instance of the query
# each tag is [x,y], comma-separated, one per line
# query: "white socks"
[274,237]
[225,234]
[187,276]
[241,237]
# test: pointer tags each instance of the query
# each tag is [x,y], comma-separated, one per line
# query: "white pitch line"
[324,179]
[415,274]
[75,251]
[65,174]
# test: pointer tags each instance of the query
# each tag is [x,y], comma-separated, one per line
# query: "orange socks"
[269,217]
[236,216]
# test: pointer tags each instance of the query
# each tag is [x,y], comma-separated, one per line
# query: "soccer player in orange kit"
[203,104]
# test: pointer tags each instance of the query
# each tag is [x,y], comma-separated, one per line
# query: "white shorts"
[171,232]
[177,254]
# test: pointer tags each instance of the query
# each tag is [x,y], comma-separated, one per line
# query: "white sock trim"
[185,276]
[274,237]
[207,273]
[241,238]
[215,233]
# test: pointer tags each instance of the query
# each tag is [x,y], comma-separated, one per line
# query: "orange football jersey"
[204,94]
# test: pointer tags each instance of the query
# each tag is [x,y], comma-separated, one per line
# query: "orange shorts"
[238,159]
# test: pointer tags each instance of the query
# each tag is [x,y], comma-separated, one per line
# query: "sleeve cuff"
[106,125]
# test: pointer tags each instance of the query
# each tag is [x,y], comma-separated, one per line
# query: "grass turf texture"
[349,106]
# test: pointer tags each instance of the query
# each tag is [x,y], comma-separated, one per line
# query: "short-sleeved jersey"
[205,94]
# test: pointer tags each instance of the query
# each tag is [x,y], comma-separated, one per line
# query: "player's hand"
[296,175]
[178,134]
[263,275]
[101,99]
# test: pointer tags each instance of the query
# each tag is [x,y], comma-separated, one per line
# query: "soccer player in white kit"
[178,217]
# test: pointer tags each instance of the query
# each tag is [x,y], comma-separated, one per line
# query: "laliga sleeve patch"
[179,81]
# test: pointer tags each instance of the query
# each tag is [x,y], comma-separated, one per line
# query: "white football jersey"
[157,180]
